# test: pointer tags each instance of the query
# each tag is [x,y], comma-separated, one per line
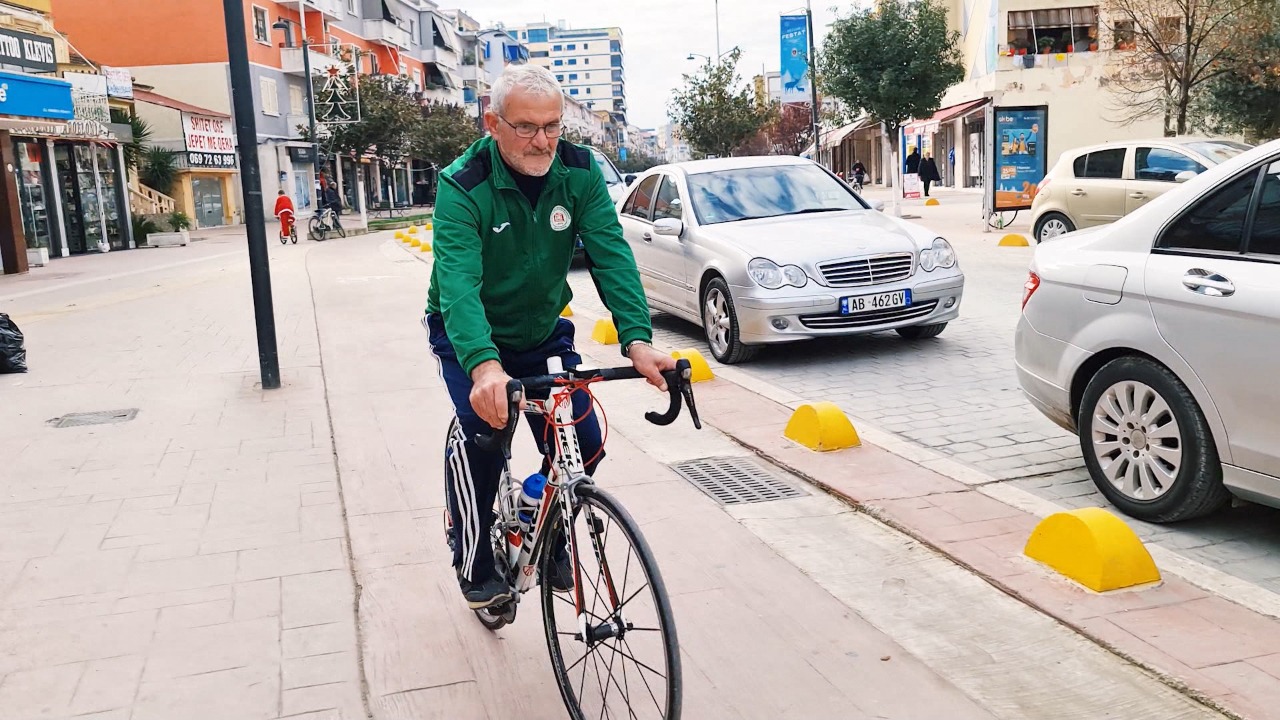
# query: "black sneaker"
[485,594]
[562,574]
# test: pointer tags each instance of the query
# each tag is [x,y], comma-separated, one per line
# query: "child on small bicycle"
[284,211]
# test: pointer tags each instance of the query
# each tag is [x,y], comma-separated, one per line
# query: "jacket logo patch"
[501,227]
[560,218]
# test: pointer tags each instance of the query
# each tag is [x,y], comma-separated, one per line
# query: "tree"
[1245,97]
[894,60]
[1177,47]
[389,121]
[444,133]
[714,111]
[791,130]
[158,169]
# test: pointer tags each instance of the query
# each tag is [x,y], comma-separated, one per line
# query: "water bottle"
[530,498]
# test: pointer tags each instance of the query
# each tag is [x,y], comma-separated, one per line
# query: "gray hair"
[534,79]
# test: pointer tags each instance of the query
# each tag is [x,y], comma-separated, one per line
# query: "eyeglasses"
[529,130]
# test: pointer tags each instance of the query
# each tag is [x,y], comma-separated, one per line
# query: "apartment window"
[586,61]
[538,36]
[588,91]
[288,31]
[588,76]
[573,91]
[586,45]
[297,99]
[559,63]
[615,46]
[404,70]
[616,61]
[373,64]
[1057,30]
[617,76]
[572,48]
[270,96]
[573,61]
[540,54]
[351,8]
[413,32]
[573,76]
[417,79]
[617,90]
[557,48]
[260,29]
[524,35]
[559,78]
[1125,37]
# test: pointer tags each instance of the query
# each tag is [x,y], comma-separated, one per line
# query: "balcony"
[386,33]
[439,55]
[332,8]
[291,61]
[470,73]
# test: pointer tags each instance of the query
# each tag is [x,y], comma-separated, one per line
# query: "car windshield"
[1219,151]
[723,196]
[611,176]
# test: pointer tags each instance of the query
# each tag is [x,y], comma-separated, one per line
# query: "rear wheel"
[316,229]
[628,665]
[337,227]
[720,322]
[1051,225]
[1147,445]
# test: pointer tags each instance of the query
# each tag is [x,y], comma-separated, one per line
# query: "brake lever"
[676,380]
[501,440]
[686,389]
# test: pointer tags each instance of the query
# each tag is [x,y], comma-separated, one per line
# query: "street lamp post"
[283,25]
[251,186]
[717,27]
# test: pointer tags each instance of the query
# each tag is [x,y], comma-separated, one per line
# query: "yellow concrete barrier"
[697,363]
[1014,240]
[823,427]
[414,241]
[1094,548]
[425,246]
[932,201]
[428,226]
[400,236]
[413,229]
[605,333]
[567,312]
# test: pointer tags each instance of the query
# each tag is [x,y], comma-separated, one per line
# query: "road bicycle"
[616,622]
[323,223]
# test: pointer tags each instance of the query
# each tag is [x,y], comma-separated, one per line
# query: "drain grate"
[735,480]
[101,417]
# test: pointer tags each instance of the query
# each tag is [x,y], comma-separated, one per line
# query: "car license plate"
[870,303]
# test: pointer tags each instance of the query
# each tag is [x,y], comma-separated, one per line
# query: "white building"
[589,63]
[475,83]
[499,48]
[671,148]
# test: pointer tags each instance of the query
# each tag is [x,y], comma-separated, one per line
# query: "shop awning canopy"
[837,136]
[930,125]
[156,99]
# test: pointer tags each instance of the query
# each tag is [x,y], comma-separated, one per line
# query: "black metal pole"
[311,102]
[813,77]
[251,183]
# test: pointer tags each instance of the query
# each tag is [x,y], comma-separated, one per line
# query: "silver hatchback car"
[1157,340]
[763,250]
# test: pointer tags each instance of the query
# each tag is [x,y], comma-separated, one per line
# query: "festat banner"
[795,59]
[1020,162]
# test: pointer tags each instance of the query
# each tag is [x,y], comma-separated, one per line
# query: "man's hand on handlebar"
[489,393]
[651,362]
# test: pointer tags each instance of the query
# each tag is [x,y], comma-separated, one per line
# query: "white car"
[1157,340]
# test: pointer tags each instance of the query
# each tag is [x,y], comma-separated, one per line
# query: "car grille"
[868,319]
[875,270]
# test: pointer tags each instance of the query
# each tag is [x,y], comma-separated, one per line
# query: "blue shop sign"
[35,97]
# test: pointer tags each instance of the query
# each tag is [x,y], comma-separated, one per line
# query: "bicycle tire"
[342,232]
[591,496]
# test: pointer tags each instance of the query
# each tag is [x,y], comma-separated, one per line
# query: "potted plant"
[177,224]
[1046,45]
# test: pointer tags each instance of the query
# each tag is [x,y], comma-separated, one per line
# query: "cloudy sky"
[658,36]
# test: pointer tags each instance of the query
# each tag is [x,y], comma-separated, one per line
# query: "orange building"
[180,50]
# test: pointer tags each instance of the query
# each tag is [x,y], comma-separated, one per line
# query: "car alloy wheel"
[716,321]
[1052,226]
[1137,440]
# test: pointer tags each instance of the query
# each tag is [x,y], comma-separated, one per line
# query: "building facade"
[412,38]
[67,189]
[588,63]
[475,83]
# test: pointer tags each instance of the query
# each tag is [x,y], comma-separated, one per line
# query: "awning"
[441,38]
[437,74]
[156,99]
[837,136]
[930,125]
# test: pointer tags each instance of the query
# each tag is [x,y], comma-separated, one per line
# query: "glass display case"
[109,187]
[33,195]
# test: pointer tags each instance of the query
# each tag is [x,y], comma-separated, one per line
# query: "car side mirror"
[877,205]
[670,227]
[629,178]
[1184,176]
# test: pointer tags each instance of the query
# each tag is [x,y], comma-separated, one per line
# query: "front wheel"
[337,227]
[628,664]
[1147,445]
[1051,225]
[720,322]
[922,332]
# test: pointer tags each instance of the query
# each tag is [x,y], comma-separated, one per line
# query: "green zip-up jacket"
[500,277]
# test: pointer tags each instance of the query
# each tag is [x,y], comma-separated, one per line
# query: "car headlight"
[768,274]
[939,255]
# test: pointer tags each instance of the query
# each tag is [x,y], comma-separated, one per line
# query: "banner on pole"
[795,59]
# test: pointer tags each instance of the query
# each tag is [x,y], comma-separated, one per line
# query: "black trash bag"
[13,356]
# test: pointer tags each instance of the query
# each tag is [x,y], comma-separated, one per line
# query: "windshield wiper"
[817,210]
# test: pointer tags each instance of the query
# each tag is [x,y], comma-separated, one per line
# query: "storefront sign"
[305,155]
[1020,159]
[211,141]
[34,52]
[89,97]
[119,82]
[36,97]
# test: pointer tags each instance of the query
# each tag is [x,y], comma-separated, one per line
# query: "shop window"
[1058,30]
[260,30]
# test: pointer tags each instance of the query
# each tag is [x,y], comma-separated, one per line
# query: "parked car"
[1156,340]
[617,190]
[1103,183]
[762,250]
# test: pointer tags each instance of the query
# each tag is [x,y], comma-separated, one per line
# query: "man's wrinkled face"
[523,111]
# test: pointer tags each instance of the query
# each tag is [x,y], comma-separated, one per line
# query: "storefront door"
[80,210]
[35,195]
[207,193]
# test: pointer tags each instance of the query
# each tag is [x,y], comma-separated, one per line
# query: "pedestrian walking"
[913,162]
[929,172]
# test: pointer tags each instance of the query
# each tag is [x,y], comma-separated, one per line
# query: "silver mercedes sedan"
[763,250]
[1157,341]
